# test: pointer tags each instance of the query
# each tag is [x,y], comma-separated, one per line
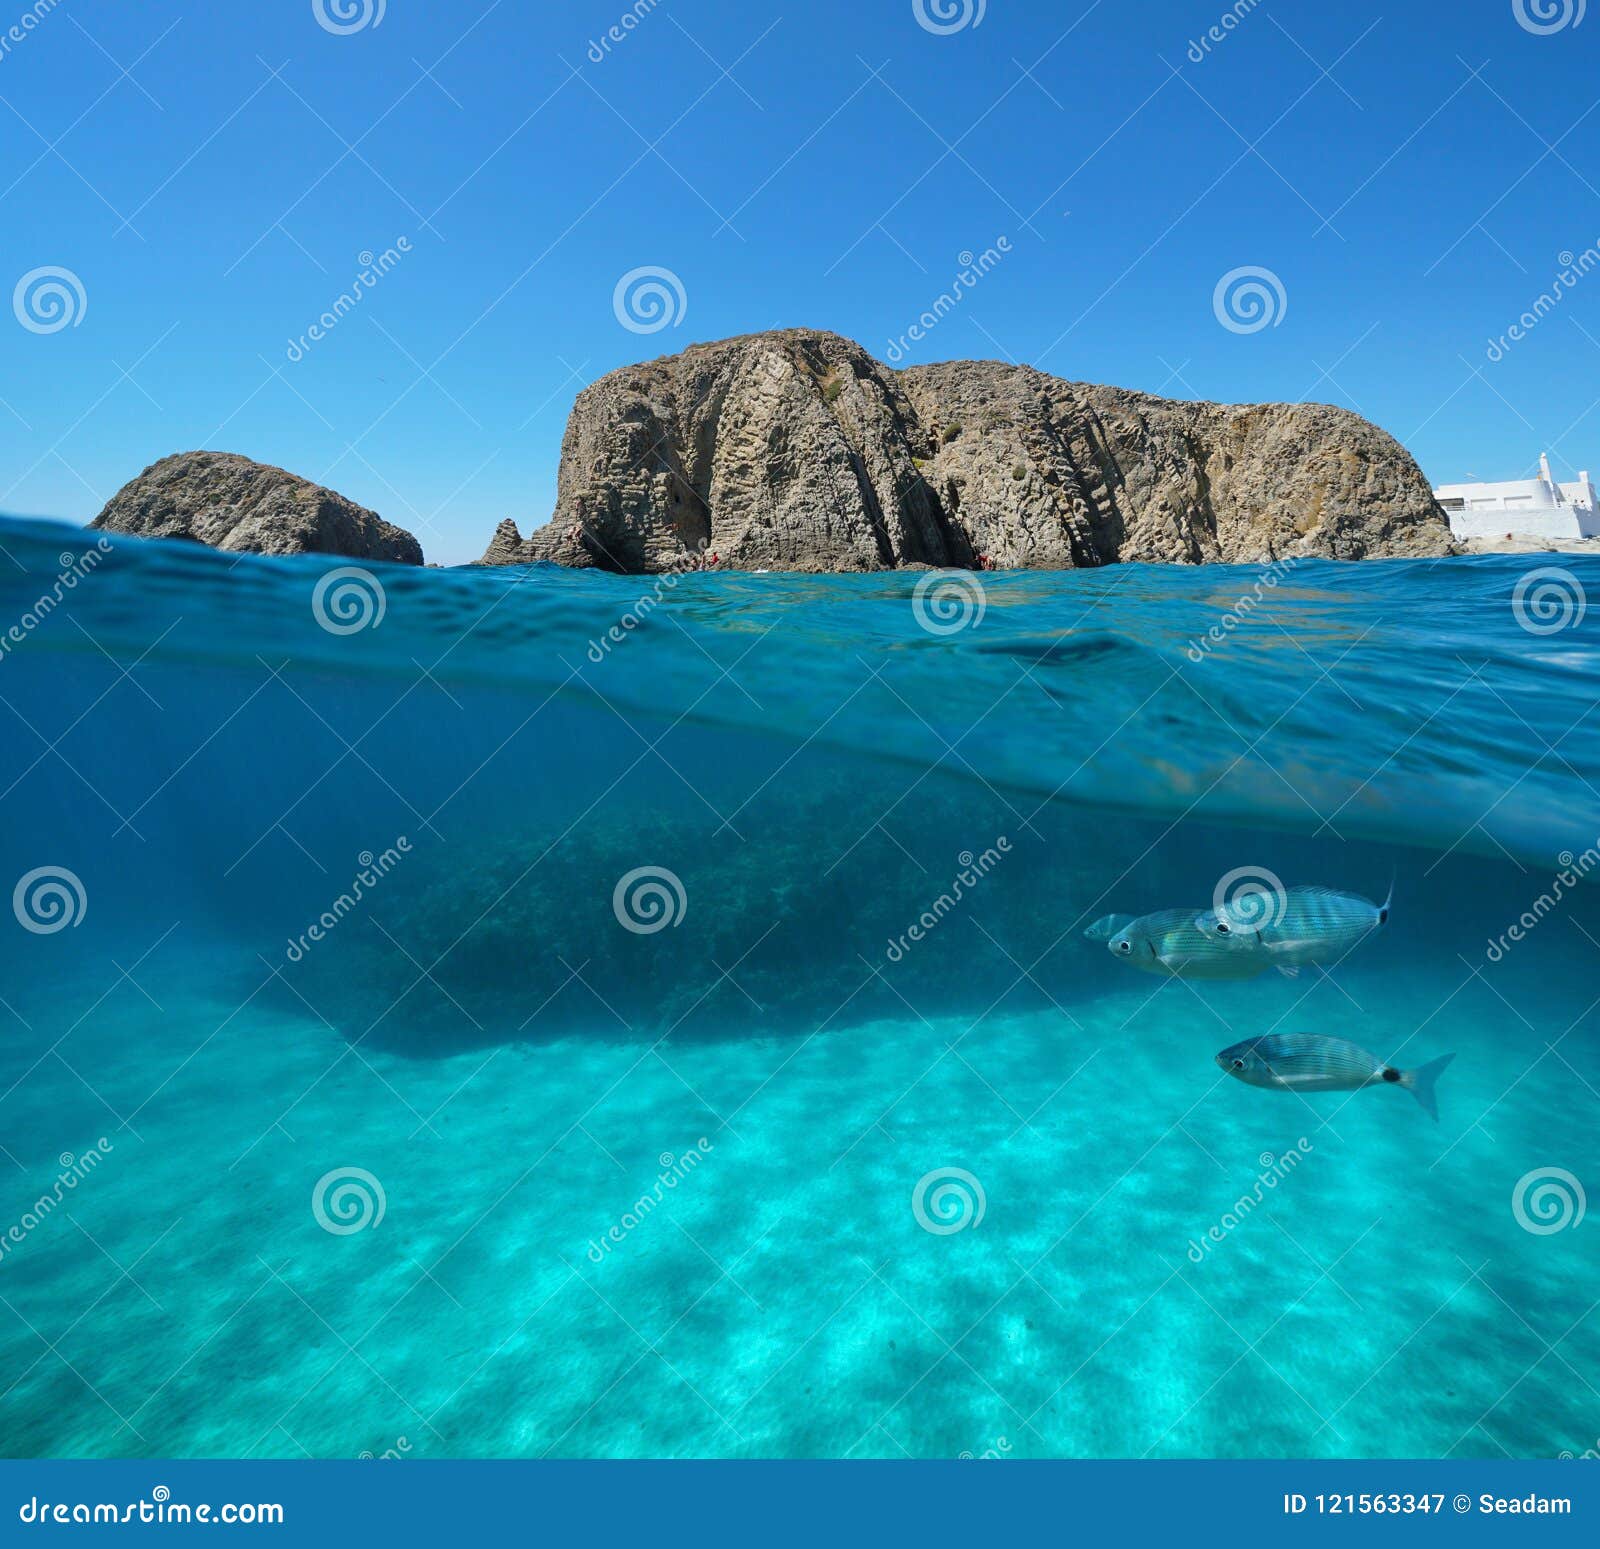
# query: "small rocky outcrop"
[229,502]
[796,450]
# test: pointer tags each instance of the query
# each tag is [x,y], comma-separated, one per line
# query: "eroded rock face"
[229,502]
[796,450]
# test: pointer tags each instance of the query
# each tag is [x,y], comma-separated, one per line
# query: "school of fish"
[1242,937]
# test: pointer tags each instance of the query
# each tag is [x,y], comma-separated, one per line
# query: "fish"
[1107,926]
[1299,926]
[1169,942]
[1311,1062]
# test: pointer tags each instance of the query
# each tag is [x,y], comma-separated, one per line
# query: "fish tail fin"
[1383,908]
[1422,1081]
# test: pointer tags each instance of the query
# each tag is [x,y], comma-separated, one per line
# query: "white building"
[1534,508]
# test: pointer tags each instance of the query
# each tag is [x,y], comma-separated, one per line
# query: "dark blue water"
[522,1012]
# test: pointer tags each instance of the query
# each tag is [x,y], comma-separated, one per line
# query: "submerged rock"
[796,450]
[229,502]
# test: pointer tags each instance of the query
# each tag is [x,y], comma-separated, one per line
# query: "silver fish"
[1169,942]
[1310,1062]
[1298,926]
[1107,926]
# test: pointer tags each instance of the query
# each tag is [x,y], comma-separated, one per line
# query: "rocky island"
[797,450]
[229,502]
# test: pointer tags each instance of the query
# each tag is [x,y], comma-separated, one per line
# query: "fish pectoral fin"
[1288,972]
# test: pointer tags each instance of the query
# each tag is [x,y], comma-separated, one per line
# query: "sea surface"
[522,1012]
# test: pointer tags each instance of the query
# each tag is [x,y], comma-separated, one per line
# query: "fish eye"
[1223,928]
[1238,1064]
[1124,947]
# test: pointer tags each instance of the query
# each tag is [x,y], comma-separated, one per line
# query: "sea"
[525,1012]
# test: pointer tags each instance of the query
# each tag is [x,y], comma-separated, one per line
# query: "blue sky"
[212,175]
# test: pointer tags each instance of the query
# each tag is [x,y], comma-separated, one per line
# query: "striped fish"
[1107,926]
[1300,925]
[1169,942]
[1310,1062]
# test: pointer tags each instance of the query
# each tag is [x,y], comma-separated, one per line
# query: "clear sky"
[211,175]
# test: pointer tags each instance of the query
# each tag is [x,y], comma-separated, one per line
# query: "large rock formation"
[796,450]
[229,502]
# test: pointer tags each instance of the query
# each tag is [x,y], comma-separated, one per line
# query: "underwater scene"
[1133,1012]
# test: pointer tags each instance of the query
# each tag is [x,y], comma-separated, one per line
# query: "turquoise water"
[784,1075]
